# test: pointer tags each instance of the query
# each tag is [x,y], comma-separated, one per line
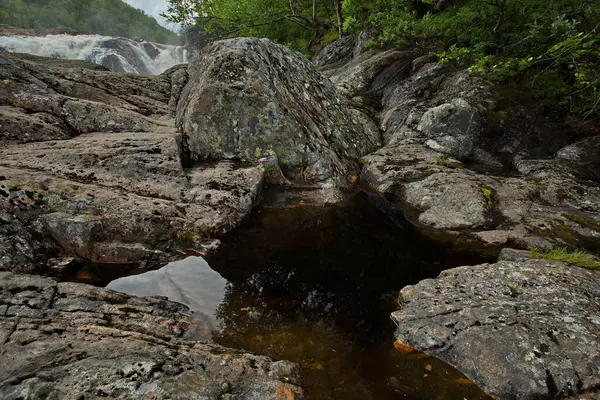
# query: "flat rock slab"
[520,329]
[68,340]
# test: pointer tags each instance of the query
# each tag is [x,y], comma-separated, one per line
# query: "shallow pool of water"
[316,285]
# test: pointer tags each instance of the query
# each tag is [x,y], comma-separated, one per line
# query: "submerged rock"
[249,98]
[523,329]
[66,340]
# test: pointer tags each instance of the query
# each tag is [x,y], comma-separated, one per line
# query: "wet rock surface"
[250,98]
[67,340]
[521,329]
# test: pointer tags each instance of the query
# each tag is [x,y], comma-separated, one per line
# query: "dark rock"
[583,157]
[524,329]
[249,98]
[337,53]
[179,77]
[17,125]
[151,49]
[125,50]
[65,340]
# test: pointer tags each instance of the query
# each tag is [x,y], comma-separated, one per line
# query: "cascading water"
[115,53]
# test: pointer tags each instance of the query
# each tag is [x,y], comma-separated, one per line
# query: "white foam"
[89,47]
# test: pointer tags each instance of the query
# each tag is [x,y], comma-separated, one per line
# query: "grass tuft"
[579,258]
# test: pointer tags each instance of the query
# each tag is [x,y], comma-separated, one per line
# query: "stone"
[68,340]
[249,98]
[339,52]
[447,202]
[76,233]
[583,158]
[450,127]
[91,169]
[520,329]
[16,125]
[465,167]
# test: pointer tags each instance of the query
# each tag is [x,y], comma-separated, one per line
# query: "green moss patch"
[579,258]
[487,194]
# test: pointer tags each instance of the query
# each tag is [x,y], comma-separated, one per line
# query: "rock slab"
[68,340]
[524,329]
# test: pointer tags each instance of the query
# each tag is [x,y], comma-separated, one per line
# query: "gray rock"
[448,202]
[438,122]
[248,98]
[17,125]
[522,329]
[70,340]
[58,172]
[74,233]
[451,128]
[86,116]
[132,188]
[339,52]
[583,157]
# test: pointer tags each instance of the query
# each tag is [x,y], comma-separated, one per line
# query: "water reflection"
[191,282]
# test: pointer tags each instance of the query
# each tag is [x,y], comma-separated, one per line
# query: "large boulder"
[67,340]
[250,97]
[525,329]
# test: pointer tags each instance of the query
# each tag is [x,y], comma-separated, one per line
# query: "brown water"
[316,285]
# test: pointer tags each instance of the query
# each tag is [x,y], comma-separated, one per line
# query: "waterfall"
[115,53]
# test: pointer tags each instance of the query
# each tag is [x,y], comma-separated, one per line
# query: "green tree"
[292,22]
[552,46]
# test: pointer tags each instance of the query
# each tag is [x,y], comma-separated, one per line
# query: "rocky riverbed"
[120,169]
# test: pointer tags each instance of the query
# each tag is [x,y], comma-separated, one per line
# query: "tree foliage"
[104,17]
[295,23]
[551,45]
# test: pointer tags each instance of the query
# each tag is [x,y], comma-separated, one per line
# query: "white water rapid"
[115,53]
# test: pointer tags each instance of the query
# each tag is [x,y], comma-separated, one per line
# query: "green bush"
[551,45]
